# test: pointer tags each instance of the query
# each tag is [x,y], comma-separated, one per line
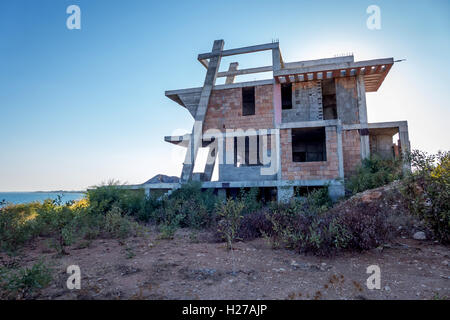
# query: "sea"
[26,197]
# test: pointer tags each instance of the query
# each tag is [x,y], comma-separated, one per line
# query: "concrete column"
[362,110]
[210,162]
[147,192]
[336,191]
[277,114]
[362,107]
[222,193]
[405,145]
[277,149]
[197,131]
[365,144]
[233,67]
[340,151]
[276,59]
[285,194]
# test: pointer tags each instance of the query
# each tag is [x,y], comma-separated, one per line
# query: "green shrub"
[230,213]
[318,200]
[187,206]
[118,226]
[367,224]
[307,226]
[15,226]
[167,231]
[103,198]
[23,282]
[56,220]
[151,205]
[250,199]
[62,224]
[255,224]
[374,172]
[427,191]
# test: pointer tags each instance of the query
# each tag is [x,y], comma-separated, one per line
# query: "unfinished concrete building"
[306,126]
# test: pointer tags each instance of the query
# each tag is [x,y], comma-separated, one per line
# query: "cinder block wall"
[347,100]
[306,102]
[309,170]
[351,145]
[382,146]
[225,110]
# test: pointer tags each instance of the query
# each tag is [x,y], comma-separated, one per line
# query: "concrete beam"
[241,133]
[334,66]
[242,184]
[204,63]
[309,124]
[170,93]
[317,62]
[244,71]
[376,125]
[178,140]
[270,183]
[243,50]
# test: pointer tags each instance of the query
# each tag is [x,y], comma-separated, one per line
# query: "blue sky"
[78,107]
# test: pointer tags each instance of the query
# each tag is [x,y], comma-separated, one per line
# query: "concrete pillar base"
[285,194]
[335,192]
[222,193]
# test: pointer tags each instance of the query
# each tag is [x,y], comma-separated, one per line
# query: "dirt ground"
[191,267]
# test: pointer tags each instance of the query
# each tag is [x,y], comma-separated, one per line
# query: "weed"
[25,281]
[230,213]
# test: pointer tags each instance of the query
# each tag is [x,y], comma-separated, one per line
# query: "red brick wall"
[225,110]
[351,145]
[309,170]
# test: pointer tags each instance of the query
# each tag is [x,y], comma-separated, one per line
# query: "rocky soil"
[192,267]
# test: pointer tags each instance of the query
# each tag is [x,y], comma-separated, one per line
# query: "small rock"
[420,235]
[379,249]
[387,288]
[445,263]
